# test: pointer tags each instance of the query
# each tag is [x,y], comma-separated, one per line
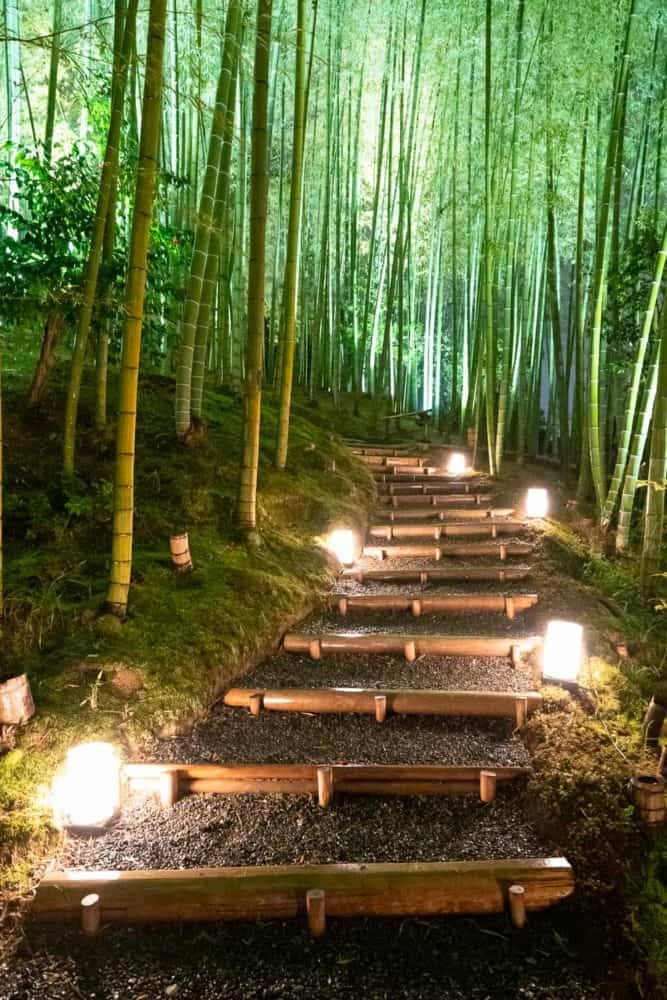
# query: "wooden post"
[411,651]
[169,788]
[180,553]
[487,786]
[315,649]
[502,552]
[324,785]
[91,914]
[521,711]
[510,610]
[515,654]
[380,707]
[316,912]
[417,608]
[255,703]
[517,900]
[342,605]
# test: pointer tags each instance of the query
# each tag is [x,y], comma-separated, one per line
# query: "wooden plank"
[405,701]
[393,461]
[433,473]
[395,644]
[501,573]
[279,891]
[423,488]
[457,529]
[349,779]
[421,499]
[501,550]
[419,603]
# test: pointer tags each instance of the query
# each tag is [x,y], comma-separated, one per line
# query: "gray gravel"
[445,623]
[455,673]
[217,830]
[232,735]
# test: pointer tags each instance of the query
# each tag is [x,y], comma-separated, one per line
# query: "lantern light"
[86,793]
[342,543]
[537,503]
[563,651]
[456,463]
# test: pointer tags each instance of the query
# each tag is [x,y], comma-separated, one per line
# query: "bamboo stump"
[380,707]
[91,915]
[517,901]
[168,788]
[316,912]
[487,786]
[325,785]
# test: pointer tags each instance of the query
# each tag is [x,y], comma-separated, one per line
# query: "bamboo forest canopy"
[446,206]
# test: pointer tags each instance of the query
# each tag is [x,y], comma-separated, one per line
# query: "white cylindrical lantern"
[342,543]
[456,464]
[86,793]
[563,651]
[537,502]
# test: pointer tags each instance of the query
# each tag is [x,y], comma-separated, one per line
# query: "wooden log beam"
[322,781]
[447,488]
[434,575]
[459,529]
[361,701]
[433,473]
[393,462]
[391,451]
[454,550]
[419,604]
[394,644]
[279,892]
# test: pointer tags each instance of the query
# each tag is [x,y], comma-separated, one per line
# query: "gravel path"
[234,736]
[209,831]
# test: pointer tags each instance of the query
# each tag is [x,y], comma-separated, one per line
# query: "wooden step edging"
[173,781]
[424,577]
[281,892]
[458,529]
[411,646]
[396,515]
[438,552]
[440,488]
[424,499]
[418,604]
[390,451]
[433,473]
[516,705]
[393,462]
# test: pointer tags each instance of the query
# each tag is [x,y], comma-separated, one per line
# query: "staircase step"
[410,646]
[421,499]
[428,511]
[433,575]
[483,526]
[454,550]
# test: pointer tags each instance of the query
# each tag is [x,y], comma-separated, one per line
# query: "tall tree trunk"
[123,502]
[654,511]
[247,506]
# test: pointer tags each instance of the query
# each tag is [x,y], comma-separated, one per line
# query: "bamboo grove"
[454,207]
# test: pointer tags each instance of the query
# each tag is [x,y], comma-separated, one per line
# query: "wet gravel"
[232,735]
[216,830]
[455,673]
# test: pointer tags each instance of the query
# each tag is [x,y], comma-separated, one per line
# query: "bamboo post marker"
[168,788]
[380,707]
[517,900]
[342,606]
[255,703]
[487,786]
[521,711]
[91,914]
[315,649]
[316,912]
[411,651]
[324,786]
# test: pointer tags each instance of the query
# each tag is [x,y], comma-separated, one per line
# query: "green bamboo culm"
[108,182]
[293,241]
[654,510]
[246,514]
[123,496]
[490,358]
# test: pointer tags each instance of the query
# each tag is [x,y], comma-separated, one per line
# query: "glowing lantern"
[563,651]
[456,463]
[343,544]
[86,793]
[537,503]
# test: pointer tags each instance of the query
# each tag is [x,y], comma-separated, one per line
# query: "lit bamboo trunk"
[406,701]
[418,604]
[302,779]
[482,526]
[430,511]
[437,552]
[421,499]
[410,646]
[433,575]
[279,891]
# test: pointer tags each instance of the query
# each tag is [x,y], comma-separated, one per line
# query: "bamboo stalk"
[510,605]
[332,643]
[432,575]
[482,526]
[485,704]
